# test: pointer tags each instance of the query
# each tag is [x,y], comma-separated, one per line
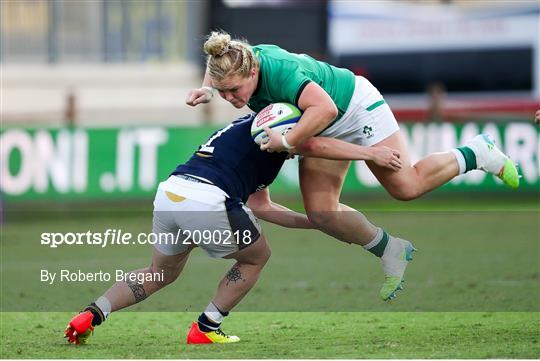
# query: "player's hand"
[199,96]
[386,157]
[274,143]
[537,117]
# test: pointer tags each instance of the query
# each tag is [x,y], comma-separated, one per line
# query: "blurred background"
[92,91]
[93,118]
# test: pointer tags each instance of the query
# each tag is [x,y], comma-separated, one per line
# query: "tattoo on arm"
[138,290]
[234,275]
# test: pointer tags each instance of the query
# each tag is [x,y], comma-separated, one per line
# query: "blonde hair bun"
[227,57]
[218,43]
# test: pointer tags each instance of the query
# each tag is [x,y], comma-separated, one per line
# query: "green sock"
[379,248]
[470,158]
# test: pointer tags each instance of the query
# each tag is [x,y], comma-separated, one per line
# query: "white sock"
[378,237]
[460,159]
[213,313]
[104,305]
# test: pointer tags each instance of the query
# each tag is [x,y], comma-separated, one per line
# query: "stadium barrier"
[63,164]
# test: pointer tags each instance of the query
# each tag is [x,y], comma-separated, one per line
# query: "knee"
[322,218]
[164,276]
[264,255]
[405,193]
[261,257]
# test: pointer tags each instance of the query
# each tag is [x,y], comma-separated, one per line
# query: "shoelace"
[219,332]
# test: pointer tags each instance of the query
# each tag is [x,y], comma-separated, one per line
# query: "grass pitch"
[471,292]
[283,335]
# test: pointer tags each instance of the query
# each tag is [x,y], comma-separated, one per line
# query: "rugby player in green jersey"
[338,104]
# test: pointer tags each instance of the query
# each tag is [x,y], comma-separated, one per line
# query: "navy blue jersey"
[233,162]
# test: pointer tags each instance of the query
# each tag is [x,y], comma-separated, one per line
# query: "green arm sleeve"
[292,83]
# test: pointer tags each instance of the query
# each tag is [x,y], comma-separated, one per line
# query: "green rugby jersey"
[284,75]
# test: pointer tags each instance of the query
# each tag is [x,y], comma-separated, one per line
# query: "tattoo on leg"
[161,284]
[234,275]
[138,290]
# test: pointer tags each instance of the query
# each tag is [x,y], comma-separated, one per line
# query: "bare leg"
[124,294]
[321,181]
[243,274]
[413,181]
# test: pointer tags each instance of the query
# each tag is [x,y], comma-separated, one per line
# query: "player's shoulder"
[245,120]
[267,49]
[273,54]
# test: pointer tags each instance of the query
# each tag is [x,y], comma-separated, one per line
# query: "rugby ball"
[280,117]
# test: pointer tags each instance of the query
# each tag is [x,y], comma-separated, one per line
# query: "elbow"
[331,111]
[263,213]
[259,206]
[309,147]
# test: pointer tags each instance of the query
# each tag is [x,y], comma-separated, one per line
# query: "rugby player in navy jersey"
[205,199]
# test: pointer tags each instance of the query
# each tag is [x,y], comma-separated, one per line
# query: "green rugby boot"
[491,159]
[396,256]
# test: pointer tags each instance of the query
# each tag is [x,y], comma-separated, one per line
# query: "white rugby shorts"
[188,214]
[368,119]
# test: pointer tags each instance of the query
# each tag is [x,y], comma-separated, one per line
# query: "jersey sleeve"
[290,82]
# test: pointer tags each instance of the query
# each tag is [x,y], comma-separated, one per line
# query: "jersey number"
[206,148]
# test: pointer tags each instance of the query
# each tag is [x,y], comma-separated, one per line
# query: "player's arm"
[335,149]
[201,95]
[263,207]
[319,110]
